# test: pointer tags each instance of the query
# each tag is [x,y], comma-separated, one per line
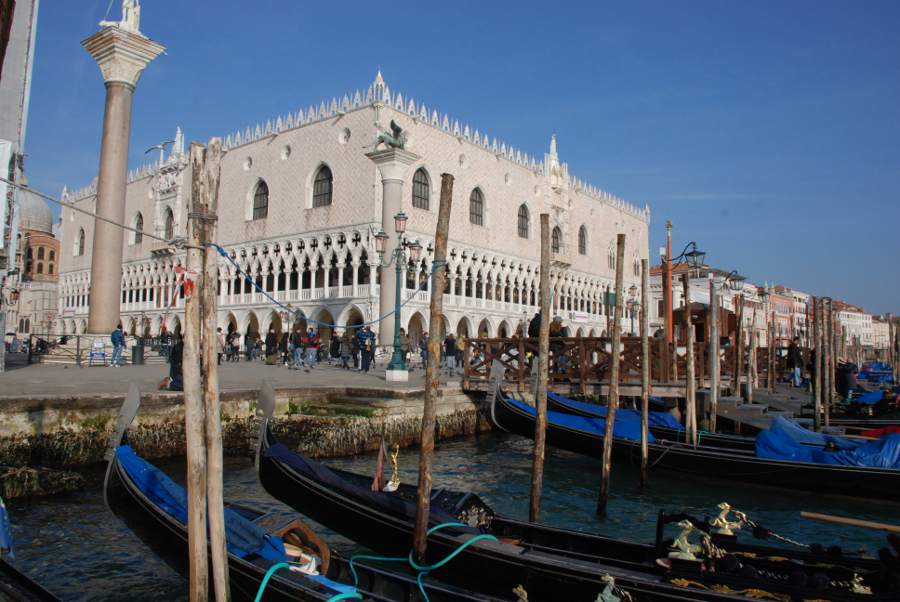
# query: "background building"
[300,203]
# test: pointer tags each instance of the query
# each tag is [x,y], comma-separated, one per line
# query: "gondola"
[16,586]
[585,436]
[661,430]
[550,563]
[147,502]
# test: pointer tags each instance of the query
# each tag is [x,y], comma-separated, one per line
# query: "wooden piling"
[773,349]
[751,358]
[817,364]
[690,384]
[204,210]
[714,366]
[432,370]
[613,403]
[194,415]
[645,366]
[739,346]
[828,373]
[540,396]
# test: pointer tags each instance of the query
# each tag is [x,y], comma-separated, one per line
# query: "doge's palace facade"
[300,203]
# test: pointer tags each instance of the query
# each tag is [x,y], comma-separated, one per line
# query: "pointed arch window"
[169,224]
[138,236]
[261,200]
[524,221]
[323,187]
[582,241]
[79,243]
[476,207]
[556,240]
[421,190]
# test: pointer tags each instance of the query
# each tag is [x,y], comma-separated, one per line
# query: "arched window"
[556,240]
[421,190]
[261,200]
[637,266]
[50,268]
[138,236]
[611,258]
[79,243]
[582,240]
[169,225]
[40,252]
[40,268]
[476,207]
[52,255]
[524,219]
[323,186]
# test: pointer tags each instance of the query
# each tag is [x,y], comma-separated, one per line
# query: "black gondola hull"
[879,483]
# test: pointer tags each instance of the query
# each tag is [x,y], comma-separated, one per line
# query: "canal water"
[74,546]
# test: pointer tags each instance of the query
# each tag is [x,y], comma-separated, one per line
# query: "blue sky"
[769,132]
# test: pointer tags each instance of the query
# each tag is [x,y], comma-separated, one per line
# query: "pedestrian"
[118,343]
[404,346]
[367,347]
[312,348]
[461,351]
[450,353]
[297,351]
[795,361]
[220,346]
[283,345]
[354,349]
[346,347]
[271,347]
[534,327]
[423,349]
[176,356]
[249,343]
[334,349]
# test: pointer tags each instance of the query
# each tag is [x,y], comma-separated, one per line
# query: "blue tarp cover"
[661,419]
[793,429]
[242,536]
[625,427]
[869,398]
[774,444]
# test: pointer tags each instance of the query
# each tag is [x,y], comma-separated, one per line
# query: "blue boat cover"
[390,503]
[869,398]
[793,429]
[242,536]
[625,427]
[660,419]
[777,445]
[7,548]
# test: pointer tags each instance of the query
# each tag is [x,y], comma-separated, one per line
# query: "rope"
[423,570]
[280,565]
[436,265]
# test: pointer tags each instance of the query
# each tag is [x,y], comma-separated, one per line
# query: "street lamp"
[632,304]
[398,258]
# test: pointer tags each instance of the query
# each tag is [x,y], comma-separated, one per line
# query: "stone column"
[121,55]
[393,163]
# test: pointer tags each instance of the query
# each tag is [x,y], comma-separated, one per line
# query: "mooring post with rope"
[432,370]
[818,377]
[543,368]
[714,362]
[194,415]
[613,403]
[690,382]
[645,366]
[204,210]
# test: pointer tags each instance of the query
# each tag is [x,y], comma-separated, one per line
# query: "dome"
[35,213]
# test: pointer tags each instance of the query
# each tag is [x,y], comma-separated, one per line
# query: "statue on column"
[396,138]
[131,17]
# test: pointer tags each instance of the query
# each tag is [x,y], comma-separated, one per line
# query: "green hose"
[280,565]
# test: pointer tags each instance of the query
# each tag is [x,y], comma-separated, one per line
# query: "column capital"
[393,163]
[121,54]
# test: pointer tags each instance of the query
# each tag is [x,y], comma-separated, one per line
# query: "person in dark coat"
[795,361]
[534,327]
[271,347]
[176,358]
[283,348]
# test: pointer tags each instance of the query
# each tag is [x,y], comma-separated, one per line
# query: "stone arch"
[485,329]
[323,324]
[416,328]
[82,327]
[351,315]
[271,320]
[231,324]
[503,330]
[464,327]
[173,324]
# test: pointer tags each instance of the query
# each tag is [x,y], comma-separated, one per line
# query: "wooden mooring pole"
[194,415]
[432,370]
[828,372]
[773,350]
[818,364]
[543,363]
[714,365]
[645,366]
[690,383]
[204,210]
[613,403]
[739,347]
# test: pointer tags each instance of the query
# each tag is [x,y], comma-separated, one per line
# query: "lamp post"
[398,257]
[632,304]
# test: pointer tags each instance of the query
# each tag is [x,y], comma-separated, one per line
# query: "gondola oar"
[853,522]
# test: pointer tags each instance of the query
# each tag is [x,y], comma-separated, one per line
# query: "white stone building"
[855,324]
[300,203]
[880,333]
